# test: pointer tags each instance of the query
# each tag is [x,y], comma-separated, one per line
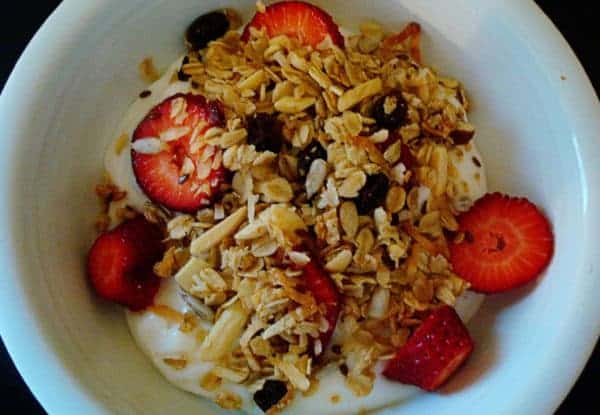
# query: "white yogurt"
[160,339]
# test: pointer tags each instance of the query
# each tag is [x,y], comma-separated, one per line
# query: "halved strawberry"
[507,243]
[323,288]
[434,351]
[171,164]
[296,19]
[120,263]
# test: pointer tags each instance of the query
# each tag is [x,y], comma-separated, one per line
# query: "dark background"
[576,19]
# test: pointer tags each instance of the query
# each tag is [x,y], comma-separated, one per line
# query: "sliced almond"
[358,93]
[174,133]
[218,232]
[315,177]
[185,276]
[290,105]
[224,334]
[149,145]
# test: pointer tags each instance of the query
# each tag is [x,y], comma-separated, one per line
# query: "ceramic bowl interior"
[60,109]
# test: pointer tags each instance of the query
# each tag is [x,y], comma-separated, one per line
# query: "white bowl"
[538,122]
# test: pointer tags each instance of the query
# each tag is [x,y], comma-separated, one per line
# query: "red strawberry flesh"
[433,353]
[508,242]
[296,19]
[120,263]
[322,287]
[162,176]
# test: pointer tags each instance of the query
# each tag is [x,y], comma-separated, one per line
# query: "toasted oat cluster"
[371,199]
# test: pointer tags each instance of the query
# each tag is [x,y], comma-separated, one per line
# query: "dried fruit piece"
[390,111]
[434,351]
[314,151]
[120,262]
[271,393]
[463,133]
[323,289]
[296,19]
[507,243]
[264,131]
[209,26]
[182,174]
[373,193]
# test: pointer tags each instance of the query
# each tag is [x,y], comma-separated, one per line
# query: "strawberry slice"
[120,263]
[296,19]
[508,242]
[433,353]
[325,292]
[171,164]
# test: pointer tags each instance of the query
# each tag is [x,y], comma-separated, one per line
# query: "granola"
[238,262]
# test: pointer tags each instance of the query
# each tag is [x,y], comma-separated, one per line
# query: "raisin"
[461,137]
[182,76]
[271,393]
[373,193]
[390,111]
[206,28]
[264,131]
[314,151]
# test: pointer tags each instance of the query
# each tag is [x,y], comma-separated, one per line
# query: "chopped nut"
[210,382]
[228,400]
[148,71]
[175,363]
[232,375]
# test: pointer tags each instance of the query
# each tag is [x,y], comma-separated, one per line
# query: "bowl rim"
[551,50]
